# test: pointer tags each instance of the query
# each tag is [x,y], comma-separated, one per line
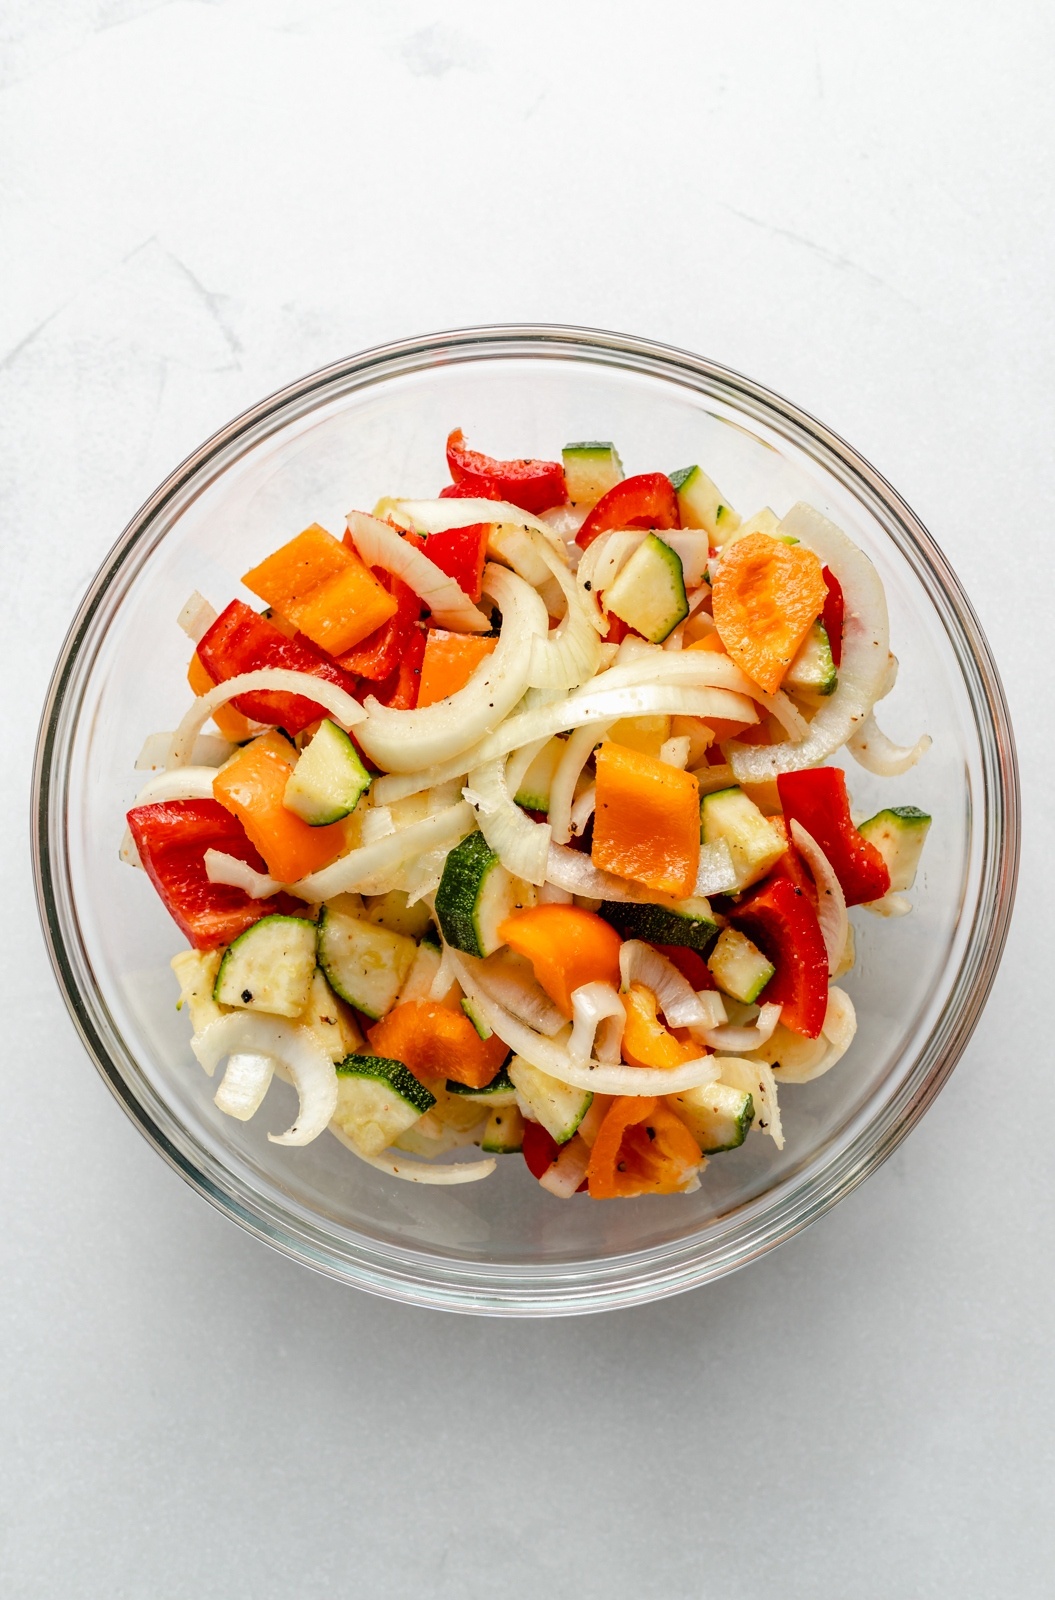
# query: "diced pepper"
[641,1148]
[766,597]
[379,654]
[645,501]
[534,486]
[230,723]
[399,691]
[449,662]
[540,1149]
[778,917]
[817,799]
[172,837]
[832,616]
[460,553]
[566,946]
[646,1042]
[325,588]
[689,963]
[646,820]
[252,786]
[242,641]
[470,491]
[435,1042]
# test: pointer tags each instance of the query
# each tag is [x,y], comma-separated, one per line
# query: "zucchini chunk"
[504,1134]
[899,834]
[701,505]
[537,781]
[377,1100]
[649,593]
[365,965]
[559,1107]
[475,895]
[499,1092]
[590,470]
[686,922]
[738,966]
[328,780]
[754,843]
[717,1116]
[331,1019]
[269,967]
[391,911]
[813,669]
[196,975]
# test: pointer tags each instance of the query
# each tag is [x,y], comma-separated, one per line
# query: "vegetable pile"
[516,829]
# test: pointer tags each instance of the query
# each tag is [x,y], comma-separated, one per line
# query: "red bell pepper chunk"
[379,654]
[172,837]
[460,553]
[647,501]
[399,691]
[779,918]
[540,1150]
[470,491]
[240,640]
[534,486]
[689,963]
[818,800]
[832,615]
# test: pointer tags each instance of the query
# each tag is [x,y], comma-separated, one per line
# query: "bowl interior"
[372,428]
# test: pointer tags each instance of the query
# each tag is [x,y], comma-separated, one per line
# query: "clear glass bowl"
[376,424]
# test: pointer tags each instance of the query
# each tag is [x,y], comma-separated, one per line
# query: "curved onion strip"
[443,979]
[738,1041]
[563,1177]
[571,654]
[519,761]
[340,705]
[514,547]
[405,741]
[675,996]
[577,752]
[381,546]
[714,1005]
[831,902]
[675,751]
[222,868]
[840,1026]
[436,516]
[185,783]
[521,845]
[442,831]
[864,664]
[602,560]
[698,668]
[197,617]
[756,1079]
[510,982]
[208,750]
[552,1057]
[602,704]
[692,547]
[583,810]
[312,1071]
[592,1004]
[551,894]
[872,750]
[420,1171]
[786,713]
[573,872]
[565,520]
[244,1085]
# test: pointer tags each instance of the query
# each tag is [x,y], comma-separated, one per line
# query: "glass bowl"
[376,424]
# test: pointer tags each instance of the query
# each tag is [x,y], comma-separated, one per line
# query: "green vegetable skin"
[590,470]
[475,896]
[701,505]
[328,780]
[738,966]
[718,1117]
[754,844]
[649,593]
[365,964]
[813,669]
[690,923]
[899,834]
[269,967]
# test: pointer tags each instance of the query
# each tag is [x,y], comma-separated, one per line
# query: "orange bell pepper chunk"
[766,597]
[646,822]
[252,786]
[641,1148]
[231,723]
[450,661]
[323,587]
[646,1042]
[435,1042]
[566,946]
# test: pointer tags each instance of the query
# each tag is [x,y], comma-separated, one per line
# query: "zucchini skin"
[394,1073]
[464,873]
[659,925]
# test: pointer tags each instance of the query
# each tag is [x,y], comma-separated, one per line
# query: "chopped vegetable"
[819,801]
[534,485]
[645,501]
[641,1148]
[324,589]
[766,596]
[449,662]
[240,641]
[646,821]
[378,655]
[252,786]
[646,1042]
[782,922]
[437,1043]
[231,723]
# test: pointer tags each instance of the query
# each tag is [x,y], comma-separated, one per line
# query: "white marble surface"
[199,201]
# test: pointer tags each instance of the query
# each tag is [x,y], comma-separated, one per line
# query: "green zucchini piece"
[738,966]
[558,1106]
[718,1117]
[754,843]
[328,780]
[684,922]
[391,911]
[649,593]
[590,470]
[701,505]
[377,1100]
[504,1134]
[475,896]
[366,965]
[813,669]
[899,834]
[269,967]
[499,1092]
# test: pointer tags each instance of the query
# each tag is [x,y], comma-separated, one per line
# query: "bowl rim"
[416,1277]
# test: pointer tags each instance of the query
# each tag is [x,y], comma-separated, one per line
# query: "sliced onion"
[716,873]
[564,1176]
[521,845]
[381,546]
[675,752]
[565,521]
[185,783]
[436,516]
[862,670]
[756,1079]
[244,1085]
[420,1171]
[592,1004]
[552,1057]
[408,741]
[222,868]
[711,779]
[786,713]
[577,752]
[831,902]
[675,996]
[590,1126]
[443,979]
[838,1030]
[378,823]
[340,705]
[298,1050]
[197,617]
[695,668]
[515,547]
[872,750]
[583,810]
[551,894]
[442,831]
[738,1041]
[714,1005]
[208,750]
[571,654]
[509,980]
[692,547]
[573,873]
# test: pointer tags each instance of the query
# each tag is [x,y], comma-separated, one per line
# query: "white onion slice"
[509,980]
[592,1004]
[756,1079]
[244,1085]
[222,868]
[831,902]
[408,741]
[838,1030]
[573,872]
[421,1171]
[563,1177]
[312,1071]
[583,810]
[865,652]
[197,617]
[872,750]
[516,548]
[786,713]
[695,668]
[716,873]
[208,750]
[692,546]
[378,823]
[577,752]
[185,783]
[443,830]
[675,752]
[381,546]
[738,1041]
[590,1126]
[551,894]
[521,845]
[436,516]
[602,560]
[331,696]
[675,996]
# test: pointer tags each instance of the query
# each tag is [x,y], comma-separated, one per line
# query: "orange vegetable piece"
[253,785]
[711,642]
[231,723]
[641,1148]
[567,947]
[435,1042]
[646,823]
[317,583]
[646,1042]
[766,596]
[450,661]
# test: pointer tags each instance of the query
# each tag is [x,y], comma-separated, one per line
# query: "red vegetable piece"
[832,615]
[647,501]
[469,491]
[379,654]
[399,691]
[534,486]
[172,837]
[240,640]
[781,921]
[540,1150]
[460,553]
[689,963]
[818,800]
